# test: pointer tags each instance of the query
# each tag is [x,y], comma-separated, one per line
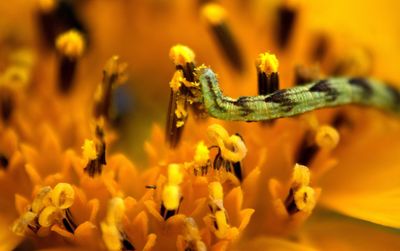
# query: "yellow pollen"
[181,55]
[327,137]
[301,176]
[176,81]
[216,191]
[267,63]
[305,199]
[171,197]
[213,13]
[20,225]
[201,156]
[71,44]
[180,111]
[42,199]
[49,216]
[175,175]
[89,150]
[220,218]
[63,195]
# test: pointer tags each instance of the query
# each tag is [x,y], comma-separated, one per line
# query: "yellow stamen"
[49,216]
[171,196]
[327,137]
[42,199]
[232,148]
[71,43]
[20,225]
[267,63]
[116,210]
[201,156]
[305,199]
[89,150]
[181,55]
[63,195]
[301,176]
[216,191]
[175,175]
[111,236]
[220,218]
[213,13]
[110,227]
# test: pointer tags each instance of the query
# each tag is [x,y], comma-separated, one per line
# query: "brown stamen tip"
[66,75]
[127,245]
[68,222]
[290,203]
[7,104]
[215,17]
[165,213]
[267,73]
[3,161]
[307,150]
[287,16]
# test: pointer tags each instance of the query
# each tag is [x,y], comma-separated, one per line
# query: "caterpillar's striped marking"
[297,100]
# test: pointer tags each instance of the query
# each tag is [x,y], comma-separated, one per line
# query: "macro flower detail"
[49,209]
[276,128]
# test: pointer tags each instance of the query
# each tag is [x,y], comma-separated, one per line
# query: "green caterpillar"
[297,100]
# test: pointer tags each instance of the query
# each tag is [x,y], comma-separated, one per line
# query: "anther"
[63,195]
[181,92]
[70,45]
[304,198]
[184,59]
[56,17]
[94,153]
[231,150]
[301,197]
[218,213]
[114,73]
[267,73]
[171,194]
[201,159]
[216,17]
[325,137]
[287,16]
[49,207]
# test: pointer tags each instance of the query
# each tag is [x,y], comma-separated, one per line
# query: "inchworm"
[330,92]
